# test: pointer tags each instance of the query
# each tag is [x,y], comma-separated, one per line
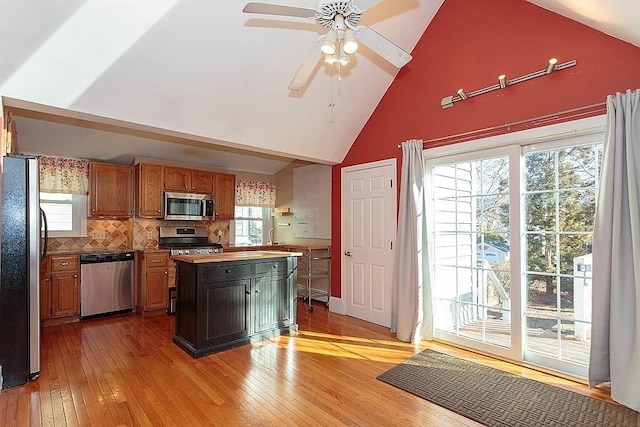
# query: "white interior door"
[368,233]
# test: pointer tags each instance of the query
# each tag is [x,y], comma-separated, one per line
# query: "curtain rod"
[520,122]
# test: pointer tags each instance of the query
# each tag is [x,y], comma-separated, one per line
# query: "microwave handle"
[204,207]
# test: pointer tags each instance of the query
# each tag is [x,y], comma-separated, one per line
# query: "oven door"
[186,206]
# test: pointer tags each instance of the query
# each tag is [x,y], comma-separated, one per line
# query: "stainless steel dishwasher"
[106,283]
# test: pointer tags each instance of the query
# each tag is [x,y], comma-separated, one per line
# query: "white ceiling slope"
[618,18]
[202,70]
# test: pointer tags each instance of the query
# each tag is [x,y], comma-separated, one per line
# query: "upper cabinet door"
[225,195]
[177,179]
[111,189]
[201,182]
[149,185]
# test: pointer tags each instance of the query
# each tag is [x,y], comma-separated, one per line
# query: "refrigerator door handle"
[43,254]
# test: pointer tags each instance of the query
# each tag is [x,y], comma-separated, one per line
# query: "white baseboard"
[337,306]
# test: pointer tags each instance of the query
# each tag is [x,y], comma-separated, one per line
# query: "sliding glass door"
[472,225]
[559,206]
[511,231]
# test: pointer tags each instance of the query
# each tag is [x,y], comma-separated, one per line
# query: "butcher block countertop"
[234,256]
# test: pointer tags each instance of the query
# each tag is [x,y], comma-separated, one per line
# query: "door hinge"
[391,183]
[391,243]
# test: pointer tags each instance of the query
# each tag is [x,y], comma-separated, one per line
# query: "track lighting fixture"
[553,65]
[502,81]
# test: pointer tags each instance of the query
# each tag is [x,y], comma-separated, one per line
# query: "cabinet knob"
[247,292]
[75,275]
[227,271]
[166,272]
[257,291]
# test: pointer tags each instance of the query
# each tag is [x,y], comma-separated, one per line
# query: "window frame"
[79,203]
[267,224]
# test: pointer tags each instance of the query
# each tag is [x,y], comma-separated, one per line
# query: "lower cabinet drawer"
[223,272]
[271,267]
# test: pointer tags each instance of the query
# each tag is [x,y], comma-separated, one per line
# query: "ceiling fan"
[340,18]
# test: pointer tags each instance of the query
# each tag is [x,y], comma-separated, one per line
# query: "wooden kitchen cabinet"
[177,179]
[188,180]
[153,293]
[149,190]
[60,287]
[202,182]
[225,195]
[110,190]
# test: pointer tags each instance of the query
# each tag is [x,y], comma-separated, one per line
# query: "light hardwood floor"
[125,370]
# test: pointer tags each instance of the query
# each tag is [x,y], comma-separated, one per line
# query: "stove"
[187,241]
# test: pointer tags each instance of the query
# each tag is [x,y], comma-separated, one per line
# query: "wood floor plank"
[125,370]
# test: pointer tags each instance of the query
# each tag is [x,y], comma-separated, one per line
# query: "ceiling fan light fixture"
[329,45]
[331,59]
[350,44]
[344,59]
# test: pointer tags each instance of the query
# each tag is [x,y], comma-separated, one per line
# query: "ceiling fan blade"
[275,9]
[382,46]
[306,69]
[362,5]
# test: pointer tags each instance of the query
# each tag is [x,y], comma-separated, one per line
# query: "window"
[251,226]
[66,214]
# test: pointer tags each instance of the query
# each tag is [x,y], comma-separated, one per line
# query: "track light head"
[462,94]
[502,81]
[551,67]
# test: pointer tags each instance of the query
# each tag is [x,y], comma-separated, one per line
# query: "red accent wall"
[468,44]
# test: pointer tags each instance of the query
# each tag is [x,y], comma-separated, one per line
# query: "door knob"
[347,253]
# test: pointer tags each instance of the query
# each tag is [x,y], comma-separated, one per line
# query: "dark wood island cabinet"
[226,300]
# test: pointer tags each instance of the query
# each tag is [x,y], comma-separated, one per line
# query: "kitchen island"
[230,299]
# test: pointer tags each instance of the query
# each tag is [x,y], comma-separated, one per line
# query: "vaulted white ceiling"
[201,70]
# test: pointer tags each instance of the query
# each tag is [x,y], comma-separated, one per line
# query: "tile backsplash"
[133,233]
[145,231]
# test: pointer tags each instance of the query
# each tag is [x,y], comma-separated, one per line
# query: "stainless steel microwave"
[188,207]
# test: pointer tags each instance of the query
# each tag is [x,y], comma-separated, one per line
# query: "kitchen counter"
[234,256]
[229,299]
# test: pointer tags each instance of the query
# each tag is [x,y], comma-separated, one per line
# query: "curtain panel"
[64,175]
[255,193]
[412,312]
[615,336]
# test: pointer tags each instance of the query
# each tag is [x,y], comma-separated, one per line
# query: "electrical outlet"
[150,235]
[220,234]
[98,235]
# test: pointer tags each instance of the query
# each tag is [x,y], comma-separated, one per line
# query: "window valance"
[255,193]
[64,175]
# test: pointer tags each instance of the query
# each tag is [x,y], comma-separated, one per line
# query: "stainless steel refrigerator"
[20,271]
